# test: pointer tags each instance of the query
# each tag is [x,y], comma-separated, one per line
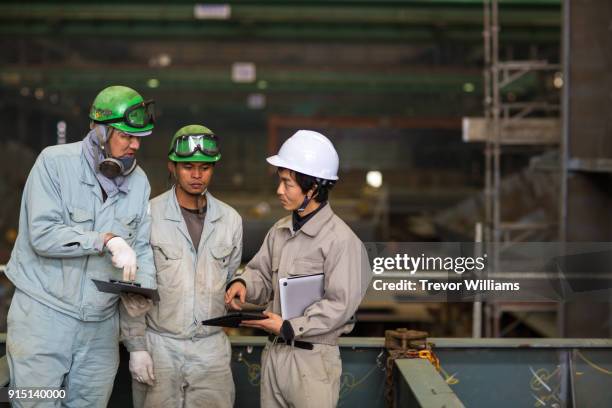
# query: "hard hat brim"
[278,162]
[131,130]
[139,134]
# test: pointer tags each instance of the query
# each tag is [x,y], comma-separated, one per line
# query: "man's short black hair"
[307,182]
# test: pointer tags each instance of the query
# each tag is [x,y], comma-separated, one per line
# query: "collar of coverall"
[173,210]
[314,225]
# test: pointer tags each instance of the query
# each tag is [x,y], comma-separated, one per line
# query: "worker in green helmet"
[83,217]
[197,245]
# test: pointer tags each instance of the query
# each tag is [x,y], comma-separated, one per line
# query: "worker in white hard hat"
[301,364]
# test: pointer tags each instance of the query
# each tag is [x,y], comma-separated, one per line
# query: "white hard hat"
[310,153]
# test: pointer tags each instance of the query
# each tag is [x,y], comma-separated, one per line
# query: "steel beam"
[455,343]
[287,13]
[216,30]
[276,79]
[420,385]
[433,21]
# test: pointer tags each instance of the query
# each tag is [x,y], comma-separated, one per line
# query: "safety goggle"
[137,116]
[188,145]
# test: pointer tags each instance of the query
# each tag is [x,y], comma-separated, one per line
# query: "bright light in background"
[468,87]
[374,179]
[212,11]
[162,60]
[256,101]
[153,83]
[244,72]
[558,80]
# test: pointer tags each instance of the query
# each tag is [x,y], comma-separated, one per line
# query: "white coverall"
[191,362]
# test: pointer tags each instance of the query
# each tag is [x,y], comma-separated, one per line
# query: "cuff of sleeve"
[137,343]
[298,326]
[234,281]
[286,331]
[99,243]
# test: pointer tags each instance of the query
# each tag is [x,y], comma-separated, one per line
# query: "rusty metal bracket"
[404,343]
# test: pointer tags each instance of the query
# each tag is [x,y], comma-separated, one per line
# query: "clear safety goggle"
[137,116]
[188,145]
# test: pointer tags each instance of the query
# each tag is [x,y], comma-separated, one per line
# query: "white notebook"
[299,292]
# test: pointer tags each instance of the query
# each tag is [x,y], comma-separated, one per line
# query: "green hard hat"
[194,143]
[124,109]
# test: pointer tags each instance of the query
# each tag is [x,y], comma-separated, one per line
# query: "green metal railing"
[474,372]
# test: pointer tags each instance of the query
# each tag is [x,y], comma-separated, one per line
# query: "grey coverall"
[61,329]
[191,362]
[294,377]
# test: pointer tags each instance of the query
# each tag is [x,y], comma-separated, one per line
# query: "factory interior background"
[455,121]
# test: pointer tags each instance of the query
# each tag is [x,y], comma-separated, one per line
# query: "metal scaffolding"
[500,115]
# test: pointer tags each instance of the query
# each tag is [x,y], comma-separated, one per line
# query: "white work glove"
[141,367]
[123,257]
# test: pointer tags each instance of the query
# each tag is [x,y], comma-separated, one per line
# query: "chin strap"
[314,194]
[202,195]
[320,183]
[196,197]
[304,204]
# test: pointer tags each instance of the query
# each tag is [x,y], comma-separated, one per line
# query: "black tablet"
[119,287]
[234,319]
